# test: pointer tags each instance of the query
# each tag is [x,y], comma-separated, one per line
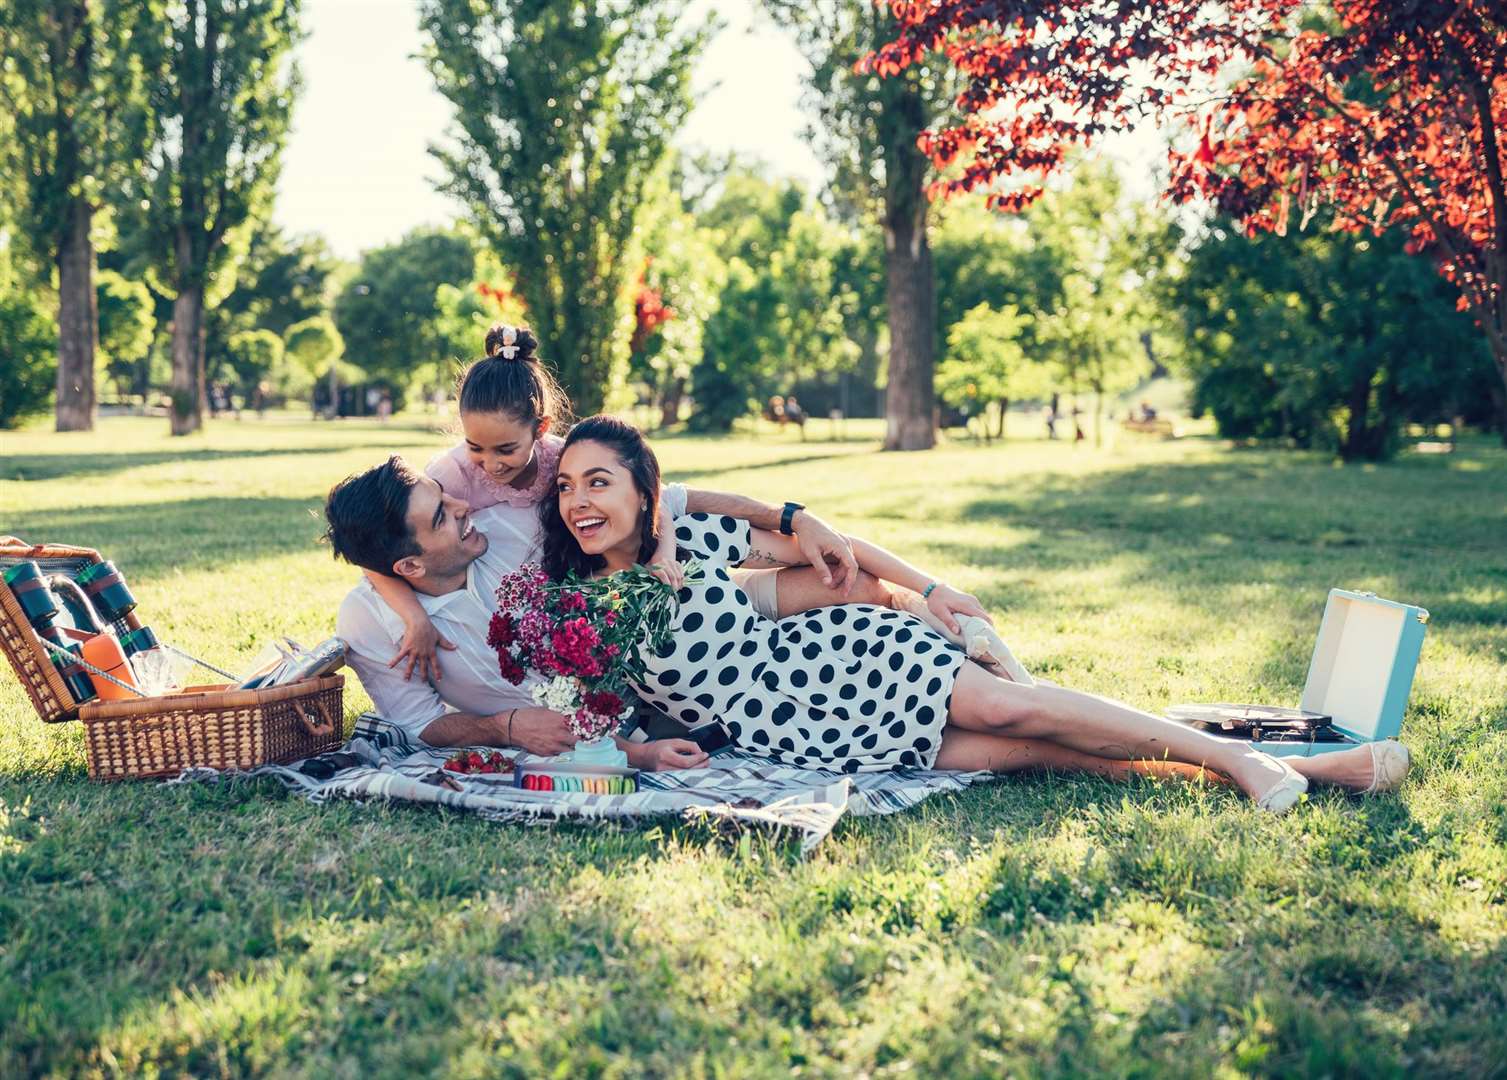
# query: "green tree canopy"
[223,84]
[254,357]
[28,338]
[985,364]
[1326,338]
[387,314]
[563,113]
[867,132]
[280,281]
[781,314]
[73,90]
[126,324]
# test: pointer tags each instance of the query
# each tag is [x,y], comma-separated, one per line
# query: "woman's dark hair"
[511,379]
[561,552]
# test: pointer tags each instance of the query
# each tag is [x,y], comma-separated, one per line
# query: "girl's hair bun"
[512,379]
[522,339]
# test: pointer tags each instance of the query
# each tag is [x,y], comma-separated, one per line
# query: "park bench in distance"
[1162,427]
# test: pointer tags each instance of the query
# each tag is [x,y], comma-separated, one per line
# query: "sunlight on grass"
[1049,926]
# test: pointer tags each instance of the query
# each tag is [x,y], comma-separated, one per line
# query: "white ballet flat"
[1390,761]
[1285,793]
[978,639]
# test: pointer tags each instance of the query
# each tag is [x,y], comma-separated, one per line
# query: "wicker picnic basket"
[202,726]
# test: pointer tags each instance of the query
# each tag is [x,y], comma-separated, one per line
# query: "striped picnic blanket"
[734,786]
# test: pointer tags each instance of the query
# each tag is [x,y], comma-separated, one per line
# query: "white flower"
[561,694]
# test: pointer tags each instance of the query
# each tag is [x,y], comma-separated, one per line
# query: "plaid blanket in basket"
[735,786]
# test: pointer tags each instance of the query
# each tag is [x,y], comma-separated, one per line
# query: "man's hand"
[539,731]
[662,754]
[827,550]
[420,639]
[946,603]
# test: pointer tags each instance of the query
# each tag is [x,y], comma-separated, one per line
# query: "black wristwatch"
[788,516]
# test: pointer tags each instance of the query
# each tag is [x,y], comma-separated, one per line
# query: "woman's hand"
[420,639]
[671,573]
[663,564]
[660,755]
[947,603]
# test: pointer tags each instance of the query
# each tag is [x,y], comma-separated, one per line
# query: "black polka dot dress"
[852,688]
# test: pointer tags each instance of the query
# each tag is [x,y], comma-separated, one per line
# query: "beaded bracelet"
[927,591]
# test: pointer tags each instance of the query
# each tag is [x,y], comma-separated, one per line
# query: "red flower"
[510,669]
[572,601]
[602,702]
[501,632]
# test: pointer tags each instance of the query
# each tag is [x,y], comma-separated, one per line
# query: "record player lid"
[1363,663]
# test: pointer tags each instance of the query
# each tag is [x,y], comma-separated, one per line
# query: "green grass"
[1039,926]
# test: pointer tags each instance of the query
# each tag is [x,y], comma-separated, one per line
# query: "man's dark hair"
[366,516]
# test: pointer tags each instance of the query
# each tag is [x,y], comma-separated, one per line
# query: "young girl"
[509,406]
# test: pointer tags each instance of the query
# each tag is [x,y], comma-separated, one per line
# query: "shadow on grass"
[149,539]
[687,475]
[29,468]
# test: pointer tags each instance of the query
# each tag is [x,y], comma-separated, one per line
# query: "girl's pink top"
[459,476]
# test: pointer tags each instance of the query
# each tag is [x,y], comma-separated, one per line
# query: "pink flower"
[574,642]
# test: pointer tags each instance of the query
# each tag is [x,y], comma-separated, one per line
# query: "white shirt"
[470,681]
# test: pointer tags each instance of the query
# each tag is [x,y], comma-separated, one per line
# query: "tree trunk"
[334,413]
[909,292]
[1357,434]
[78,322]
[910,283]
[1499,401]
[669,405]
[188,360]
[1004,407]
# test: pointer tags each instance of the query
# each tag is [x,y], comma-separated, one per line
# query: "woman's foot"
[1283,795]
[1368,768]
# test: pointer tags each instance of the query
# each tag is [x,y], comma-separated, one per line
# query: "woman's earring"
[644,506]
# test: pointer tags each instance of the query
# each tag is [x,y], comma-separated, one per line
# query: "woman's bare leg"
[800,588]
[1101,727]
[970,751]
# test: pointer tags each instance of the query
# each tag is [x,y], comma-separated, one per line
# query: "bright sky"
[356,169]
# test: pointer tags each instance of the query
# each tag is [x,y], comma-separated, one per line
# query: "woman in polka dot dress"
[850,688]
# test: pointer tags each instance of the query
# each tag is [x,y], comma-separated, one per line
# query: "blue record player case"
[1362,669]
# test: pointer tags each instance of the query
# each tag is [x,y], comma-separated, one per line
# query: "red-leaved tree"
[1383,112]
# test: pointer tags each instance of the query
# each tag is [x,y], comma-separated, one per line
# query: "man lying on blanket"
[395,521]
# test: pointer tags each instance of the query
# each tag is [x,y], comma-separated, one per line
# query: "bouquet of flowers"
[586,637]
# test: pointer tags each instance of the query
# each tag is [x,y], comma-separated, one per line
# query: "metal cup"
[29,585]
[107,589]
